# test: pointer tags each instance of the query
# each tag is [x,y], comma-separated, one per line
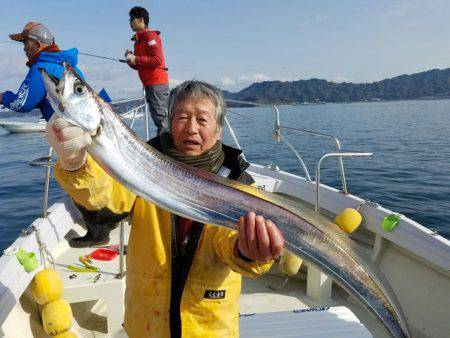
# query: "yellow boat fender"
[46,286]
[289,263]
[57,317]
[348,220]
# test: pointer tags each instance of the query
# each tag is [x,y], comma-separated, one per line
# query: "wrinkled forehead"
[198,104]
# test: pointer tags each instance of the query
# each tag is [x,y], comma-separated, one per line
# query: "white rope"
[46,256]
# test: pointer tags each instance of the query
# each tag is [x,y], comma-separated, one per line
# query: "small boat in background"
[36,124]
[14,126]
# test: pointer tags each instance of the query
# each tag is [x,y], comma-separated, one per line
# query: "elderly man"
[42,52]
[183,277]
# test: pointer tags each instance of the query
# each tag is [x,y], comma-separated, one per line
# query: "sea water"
[409,172]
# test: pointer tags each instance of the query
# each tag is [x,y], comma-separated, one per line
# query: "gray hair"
[194,88]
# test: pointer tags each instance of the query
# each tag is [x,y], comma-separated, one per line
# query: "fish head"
[73,99]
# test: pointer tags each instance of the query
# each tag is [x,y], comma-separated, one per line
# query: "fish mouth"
[54,88]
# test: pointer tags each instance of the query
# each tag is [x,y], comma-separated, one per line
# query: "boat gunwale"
[408,234]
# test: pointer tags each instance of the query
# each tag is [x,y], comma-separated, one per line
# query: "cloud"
[286,79]
[120,82]
[320,17]
[251,78]
[316,19]
[175,82]
[404,8]
[340,79]
[398,10]
[226,82]
[13,69]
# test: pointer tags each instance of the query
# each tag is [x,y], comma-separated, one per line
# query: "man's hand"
[258,239]
[130,58]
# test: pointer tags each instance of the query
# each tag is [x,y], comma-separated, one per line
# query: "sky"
[234,43]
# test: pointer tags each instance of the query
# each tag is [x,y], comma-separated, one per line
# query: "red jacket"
[150,58]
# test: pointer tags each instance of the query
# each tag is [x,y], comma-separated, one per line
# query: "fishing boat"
[303,303]
[31,125]
[16,126]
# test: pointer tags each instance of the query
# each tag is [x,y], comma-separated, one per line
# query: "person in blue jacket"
[42,52]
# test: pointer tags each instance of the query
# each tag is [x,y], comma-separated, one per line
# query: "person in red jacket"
[148,60]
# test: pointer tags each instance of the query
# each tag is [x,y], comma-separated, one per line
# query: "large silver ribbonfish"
[208,198]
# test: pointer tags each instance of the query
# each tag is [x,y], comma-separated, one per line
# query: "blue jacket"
[32,92]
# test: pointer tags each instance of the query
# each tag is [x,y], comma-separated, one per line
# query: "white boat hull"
[23,127]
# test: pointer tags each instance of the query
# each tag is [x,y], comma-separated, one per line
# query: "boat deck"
[65,255]
[90,293]
[261,300]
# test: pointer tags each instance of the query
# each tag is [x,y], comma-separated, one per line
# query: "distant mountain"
[431,84]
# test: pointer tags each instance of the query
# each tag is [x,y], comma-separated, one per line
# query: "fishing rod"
[112,59]
[103,57]
[5,41]
[91,55]
[87,54]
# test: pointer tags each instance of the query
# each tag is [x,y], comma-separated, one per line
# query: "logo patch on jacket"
[152,43]
[21,97]
[214,294]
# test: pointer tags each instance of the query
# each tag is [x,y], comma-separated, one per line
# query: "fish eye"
[79,88]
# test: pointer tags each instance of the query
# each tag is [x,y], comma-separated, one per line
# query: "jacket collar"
[49,49]
[233,158]
[138,35]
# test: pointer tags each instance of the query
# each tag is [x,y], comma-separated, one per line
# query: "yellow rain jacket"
[168,296]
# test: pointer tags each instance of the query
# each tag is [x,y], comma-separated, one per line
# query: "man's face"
[137,24]
[194,127]
[30,47]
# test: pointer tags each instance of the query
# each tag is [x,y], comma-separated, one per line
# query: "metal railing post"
[45,161]
[338,148]
[341,167]
[338,154]
[277,129]
[233,136]
[299,158]
[47,185]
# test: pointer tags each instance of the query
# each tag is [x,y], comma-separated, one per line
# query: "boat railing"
[339,155]
[279,137]
[135,110]
[45,161]
[126,100]
[276,133]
